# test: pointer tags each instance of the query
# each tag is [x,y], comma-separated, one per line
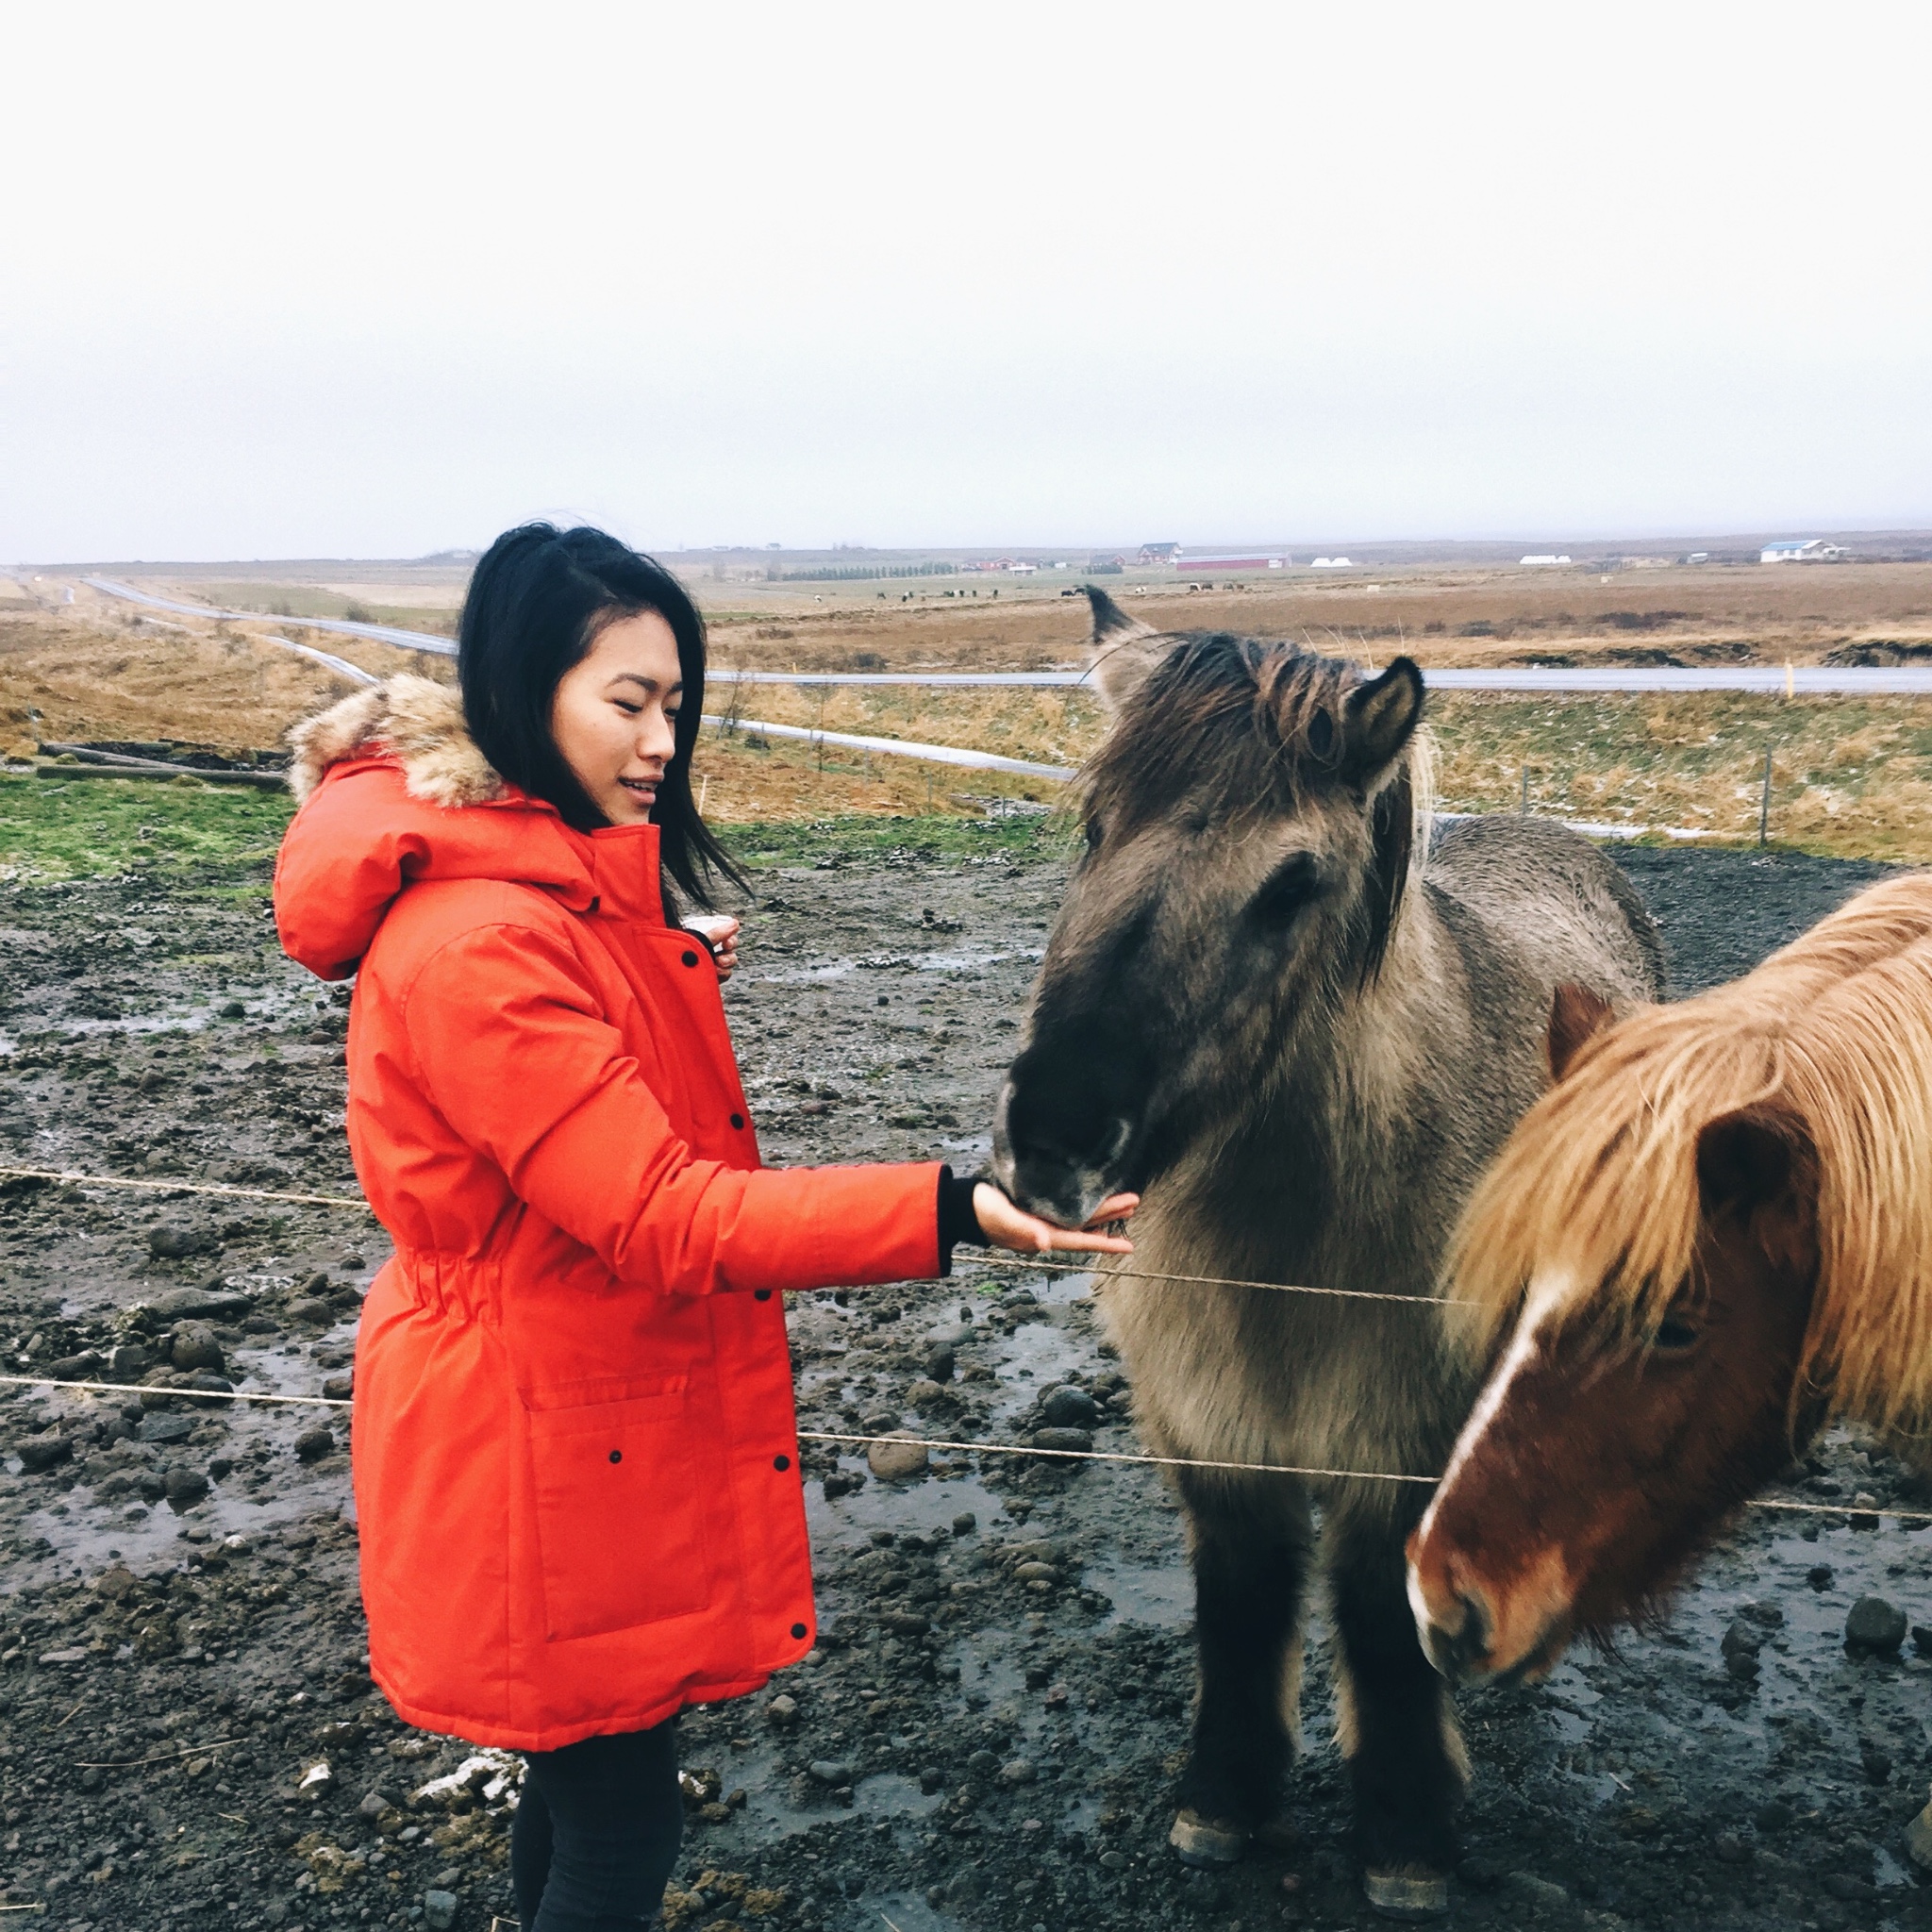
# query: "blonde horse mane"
[1594,1197]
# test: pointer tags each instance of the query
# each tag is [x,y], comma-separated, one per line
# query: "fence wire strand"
[1024,1264]
[1014,1449]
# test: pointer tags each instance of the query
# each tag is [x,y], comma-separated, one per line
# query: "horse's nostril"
[1454,1619]
[1478,1626]
[1462,1649]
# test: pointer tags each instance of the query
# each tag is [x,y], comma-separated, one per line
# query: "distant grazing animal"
[1267,1005]
[1715,1232]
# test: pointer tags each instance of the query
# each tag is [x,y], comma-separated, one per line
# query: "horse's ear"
[1378,719]
[1577,1015]
[1124,650]
[1760,1165]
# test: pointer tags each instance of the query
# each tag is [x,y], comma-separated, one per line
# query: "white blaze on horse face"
[1547,1295]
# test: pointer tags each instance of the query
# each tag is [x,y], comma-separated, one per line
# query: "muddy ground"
[988,1735]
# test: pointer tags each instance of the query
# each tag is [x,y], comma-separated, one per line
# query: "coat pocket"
[619,1513]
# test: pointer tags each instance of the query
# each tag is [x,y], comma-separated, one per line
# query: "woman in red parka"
[575,1464]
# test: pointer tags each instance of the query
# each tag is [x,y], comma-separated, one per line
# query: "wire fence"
[966,1446]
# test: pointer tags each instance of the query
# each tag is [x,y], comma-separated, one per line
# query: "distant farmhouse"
[1803,550]
[1158,553]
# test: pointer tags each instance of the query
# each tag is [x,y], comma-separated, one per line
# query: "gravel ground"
[987,1736]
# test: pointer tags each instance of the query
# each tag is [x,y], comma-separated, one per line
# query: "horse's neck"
[1328,1140]
[1352,1067]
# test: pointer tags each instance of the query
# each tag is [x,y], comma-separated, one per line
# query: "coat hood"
[393,790]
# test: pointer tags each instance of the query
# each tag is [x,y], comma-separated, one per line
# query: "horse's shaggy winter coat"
[1597,1196]
[1268,1003]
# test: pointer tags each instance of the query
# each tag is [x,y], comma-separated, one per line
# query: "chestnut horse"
[1714,1233]
[1271,1006]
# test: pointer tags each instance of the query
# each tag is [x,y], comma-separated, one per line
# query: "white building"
[1802,550]
[1546,559]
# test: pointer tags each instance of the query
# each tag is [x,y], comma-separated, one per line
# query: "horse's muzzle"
[1060,1175]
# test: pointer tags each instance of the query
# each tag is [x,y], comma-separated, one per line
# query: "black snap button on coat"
[617,1456]
[798,1630]
[690,958]
[762,1294]
[781,1462]
[738,1120]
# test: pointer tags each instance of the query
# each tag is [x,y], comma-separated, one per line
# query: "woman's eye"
[628,710]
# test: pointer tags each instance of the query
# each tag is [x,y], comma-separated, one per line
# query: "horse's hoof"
[1409,1895]
[1204,1845]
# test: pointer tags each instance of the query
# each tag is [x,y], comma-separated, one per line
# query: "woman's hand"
[1007,1226]
[720,932]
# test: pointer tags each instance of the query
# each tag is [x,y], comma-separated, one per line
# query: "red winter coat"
[576,1467]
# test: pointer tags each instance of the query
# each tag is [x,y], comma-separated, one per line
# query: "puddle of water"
[1035,1357]
[1158,1594]
[819,971]
[890,1795]
[925,1506]
[974,962]
[908,1910]
[987,1671]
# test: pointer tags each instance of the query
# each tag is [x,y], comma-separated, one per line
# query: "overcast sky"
[378,280]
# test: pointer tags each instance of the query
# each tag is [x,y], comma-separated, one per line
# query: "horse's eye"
[1095,833]
[1673,1337]
[1289,890]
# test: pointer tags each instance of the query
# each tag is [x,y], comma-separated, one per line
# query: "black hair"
[538,599]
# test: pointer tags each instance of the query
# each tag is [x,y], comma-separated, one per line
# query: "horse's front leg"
[1252,1551]
[1397,1724]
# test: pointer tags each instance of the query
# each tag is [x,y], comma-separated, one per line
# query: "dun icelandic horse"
[1270,1008]
[1714,1233]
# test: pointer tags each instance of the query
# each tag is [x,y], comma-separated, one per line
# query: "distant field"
[1758,613]
[1849,776]
[310,600]
[1490,615]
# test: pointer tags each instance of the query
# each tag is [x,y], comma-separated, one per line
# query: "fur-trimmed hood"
[413,719]
[394,793]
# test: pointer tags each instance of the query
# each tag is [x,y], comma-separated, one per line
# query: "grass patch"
[224,836]
[1851,777]
[876,840]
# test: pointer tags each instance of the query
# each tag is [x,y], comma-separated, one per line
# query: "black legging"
[596,1833]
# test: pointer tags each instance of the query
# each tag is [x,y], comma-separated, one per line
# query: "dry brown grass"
[87,681]
[1852,776]
[1764,612]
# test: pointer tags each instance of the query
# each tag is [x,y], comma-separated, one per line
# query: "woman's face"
[613,715]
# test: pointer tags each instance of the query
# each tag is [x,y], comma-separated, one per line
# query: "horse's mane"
[1594,1197]
[1233,721]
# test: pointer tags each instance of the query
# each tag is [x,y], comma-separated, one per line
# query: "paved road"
[382,633]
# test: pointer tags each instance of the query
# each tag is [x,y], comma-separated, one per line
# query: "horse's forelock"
[1236,718]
